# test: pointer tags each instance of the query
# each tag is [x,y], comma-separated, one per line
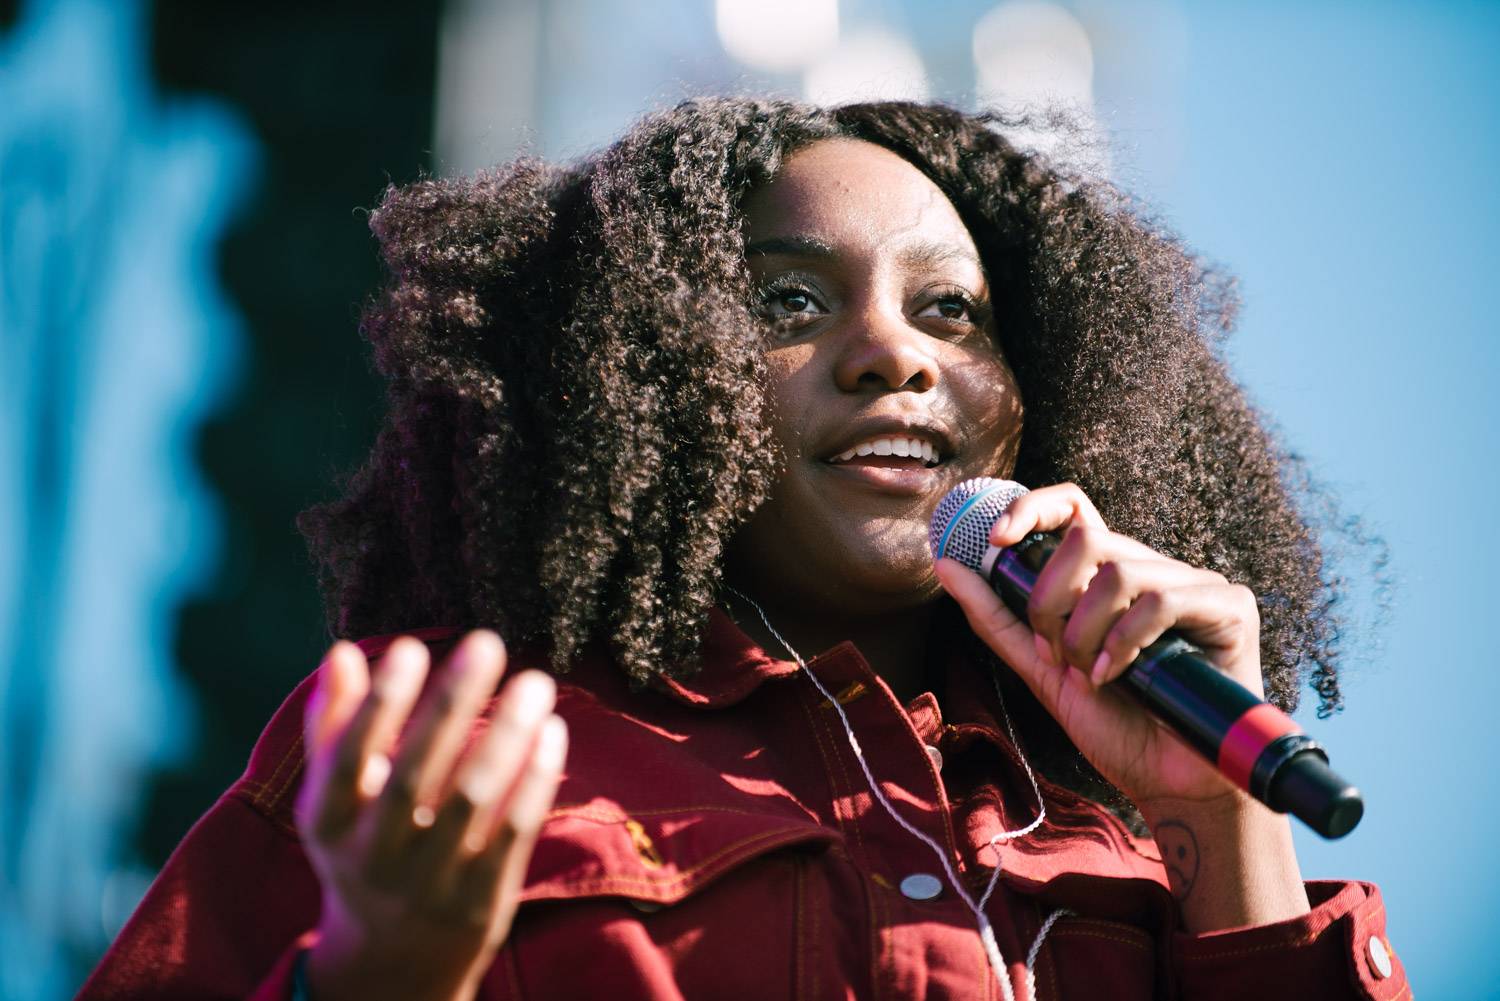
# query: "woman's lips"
[888,473]
[884,462]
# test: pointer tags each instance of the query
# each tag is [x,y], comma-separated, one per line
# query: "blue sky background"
[1340,158]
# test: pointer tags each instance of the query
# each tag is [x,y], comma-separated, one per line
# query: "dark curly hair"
[574,366]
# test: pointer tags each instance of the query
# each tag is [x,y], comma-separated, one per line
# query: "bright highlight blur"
[872,65]
[778,36]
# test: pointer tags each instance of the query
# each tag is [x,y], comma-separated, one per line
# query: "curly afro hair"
[574,372]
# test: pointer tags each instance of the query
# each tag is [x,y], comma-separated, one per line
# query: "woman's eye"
[955,307]
[792,304]
[952,308]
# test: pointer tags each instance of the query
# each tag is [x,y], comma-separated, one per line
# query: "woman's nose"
[881,349]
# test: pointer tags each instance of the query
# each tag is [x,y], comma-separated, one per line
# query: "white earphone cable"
[986,931]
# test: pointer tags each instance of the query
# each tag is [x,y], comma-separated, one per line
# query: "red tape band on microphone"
[1251,734]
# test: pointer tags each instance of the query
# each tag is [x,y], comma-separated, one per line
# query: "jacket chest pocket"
[1089,957]
[663,904]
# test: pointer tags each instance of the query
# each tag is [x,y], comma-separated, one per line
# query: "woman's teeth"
[914,447]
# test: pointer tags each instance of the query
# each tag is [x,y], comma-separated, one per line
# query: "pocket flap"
[661,855]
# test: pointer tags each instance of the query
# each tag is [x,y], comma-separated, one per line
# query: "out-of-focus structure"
[183,256]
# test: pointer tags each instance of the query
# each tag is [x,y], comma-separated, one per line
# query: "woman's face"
[886,387]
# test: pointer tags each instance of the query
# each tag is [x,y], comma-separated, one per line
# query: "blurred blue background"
[182,262]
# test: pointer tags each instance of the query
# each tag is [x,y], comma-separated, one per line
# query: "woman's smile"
[885,383]
[896,455]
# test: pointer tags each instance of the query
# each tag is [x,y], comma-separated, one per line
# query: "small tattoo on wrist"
[1179,853]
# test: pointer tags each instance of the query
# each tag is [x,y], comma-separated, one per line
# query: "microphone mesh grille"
[960,526]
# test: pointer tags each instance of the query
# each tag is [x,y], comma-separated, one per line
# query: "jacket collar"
[733,666]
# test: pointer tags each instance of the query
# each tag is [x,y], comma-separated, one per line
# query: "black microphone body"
[1253,743]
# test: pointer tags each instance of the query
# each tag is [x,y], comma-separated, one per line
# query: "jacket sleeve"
[225,918]
[236,902]
[1337,950]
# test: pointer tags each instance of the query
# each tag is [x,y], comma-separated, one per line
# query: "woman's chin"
[884,585]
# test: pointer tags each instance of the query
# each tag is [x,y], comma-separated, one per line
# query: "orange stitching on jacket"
[834,757]
[292,775]
[880,945]
[1058,929]
[296,746]
[249,802]
[1296,941]
[799,931]
[604,815]
[1051,967]
[604,884]
[293,758]
[1232,953]
[831,759]
[803,864]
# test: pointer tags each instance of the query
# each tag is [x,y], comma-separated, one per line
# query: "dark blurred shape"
[341,99]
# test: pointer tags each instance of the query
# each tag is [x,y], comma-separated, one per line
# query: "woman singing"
[671,421]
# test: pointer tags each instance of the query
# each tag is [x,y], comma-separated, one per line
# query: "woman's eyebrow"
[917,255]
[930,254]
[796,246]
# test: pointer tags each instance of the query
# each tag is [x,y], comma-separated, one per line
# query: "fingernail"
[1043,649]
[477,647]
[551,744]
[535,693]
[372,777]
[997,530]
[398,671]
[1101,664]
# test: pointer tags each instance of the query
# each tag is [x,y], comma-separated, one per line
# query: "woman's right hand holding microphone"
[421,849]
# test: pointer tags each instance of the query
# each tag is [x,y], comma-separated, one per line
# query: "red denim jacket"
[715,838]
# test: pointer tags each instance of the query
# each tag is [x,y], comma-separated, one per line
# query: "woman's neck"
[894,642]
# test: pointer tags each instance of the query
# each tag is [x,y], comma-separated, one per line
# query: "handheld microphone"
[1254,744]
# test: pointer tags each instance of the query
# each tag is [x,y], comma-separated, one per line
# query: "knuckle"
[1249,603]
[460,805]
[401,787]
[1074,538]
[372,872]
[443,700]
[526,827]
[507,832]
[1077,495]
[1111,577]
[1073,647]
[1153,602]
[323,829]
[344,770]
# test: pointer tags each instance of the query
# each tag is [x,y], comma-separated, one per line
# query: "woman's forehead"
[849,194]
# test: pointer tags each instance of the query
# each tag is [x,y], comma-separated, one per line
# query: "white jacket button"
[921,886]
